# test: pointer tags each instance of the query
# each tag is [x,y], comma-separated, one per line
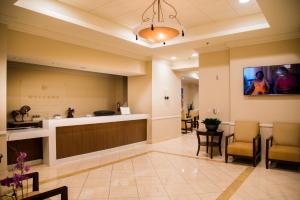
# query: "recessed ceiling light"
[195,55]
[173,58]
[244,1]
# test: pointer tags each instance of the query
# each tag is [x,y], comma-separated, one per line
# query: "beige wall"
[214,90]
[3,75]
[40,50]
[49,90]
[146,95]
[165,113]
[3,43]
[140,96]
[164,83]
[268,108]
[140,92]
[190,95]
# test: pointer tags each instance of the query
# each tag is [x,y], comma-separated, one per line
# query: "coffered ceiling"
[191,12]
[107,25]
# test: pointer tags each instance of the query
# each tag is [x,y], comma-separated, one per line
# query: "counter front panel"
[81,139]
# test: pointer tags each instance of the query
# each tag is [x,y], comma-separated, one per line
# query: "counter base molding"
[82,139]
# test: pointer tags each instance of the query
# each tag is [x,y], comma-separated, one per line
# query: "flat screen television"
[272,80]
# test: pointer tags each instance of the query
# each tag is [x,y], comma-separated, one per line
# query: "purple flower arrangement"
[16,181]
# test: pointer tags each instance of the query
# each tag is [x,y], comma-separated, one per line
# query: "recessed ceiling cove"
[202,19]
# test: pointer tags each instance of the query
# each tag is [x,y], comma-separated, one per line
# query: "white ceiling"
[107,24]
[190,12]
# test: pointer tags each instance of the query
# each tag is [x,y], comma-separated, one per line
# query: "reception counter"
[73,138]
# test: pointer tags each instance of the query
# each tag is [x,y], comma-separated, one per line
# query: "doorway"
[189,101]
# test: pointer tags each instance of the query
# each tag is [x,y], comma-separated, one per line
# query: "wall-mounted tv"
[272,80]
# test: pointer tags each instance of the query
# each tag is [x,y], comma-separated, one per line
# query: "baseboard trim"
[262,125]
[166,117]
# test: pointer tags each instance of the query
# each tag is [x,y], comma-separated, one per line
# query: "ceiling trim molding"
[247,42]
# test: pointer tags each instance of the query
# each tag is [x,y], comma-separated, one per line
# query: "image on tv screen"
[272,80]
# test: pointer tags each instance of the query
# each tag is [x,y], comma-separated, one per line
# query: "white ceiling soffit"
[78,17]
[191,63]
[191,76]
[118,17]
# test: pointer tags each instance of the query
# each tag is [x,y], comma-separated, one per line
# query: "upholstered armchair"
[246,141]
[284,144]
[186,123]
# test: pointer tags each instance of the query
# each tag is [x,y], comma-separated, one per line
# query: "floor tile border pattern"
[234,186]
[226,194]
[92,168]
[184,155]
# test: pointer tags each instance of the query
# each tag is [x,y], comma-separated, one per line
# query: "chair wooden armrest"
[63,191]
[35,180]
[227,140]
[269,142]
[189,120]
[227,137]
[256,152]
[256,140]
[226,144]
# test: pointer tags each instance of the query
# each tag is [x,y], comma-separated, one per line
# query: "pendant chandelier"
[156,26]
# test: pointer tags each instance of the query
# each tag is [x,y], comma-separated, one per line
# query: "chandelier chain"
[174,9]
[159,12]
[143,16]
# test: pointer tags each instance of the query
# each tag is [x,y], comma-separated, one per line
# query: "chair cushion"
[183,115]
[240,148]
[188,125]
[285,153]
[245,131]
[286,134]
[194,113]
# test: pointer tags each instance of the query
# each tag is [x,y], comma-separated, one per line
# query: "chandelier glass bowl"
[159,23]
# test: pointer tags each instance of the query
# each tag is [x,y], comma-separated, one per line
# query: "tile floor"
[166,171]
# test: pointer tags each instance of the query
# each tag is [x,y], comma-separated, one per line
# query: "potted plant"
[15,182]
[211,124]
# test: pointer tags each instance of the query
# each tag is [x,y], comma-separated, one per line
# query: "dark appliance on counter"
[104,113]
[26,124]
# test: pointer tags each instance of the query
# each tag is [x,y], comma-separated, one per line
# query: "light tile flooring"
[168,171]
